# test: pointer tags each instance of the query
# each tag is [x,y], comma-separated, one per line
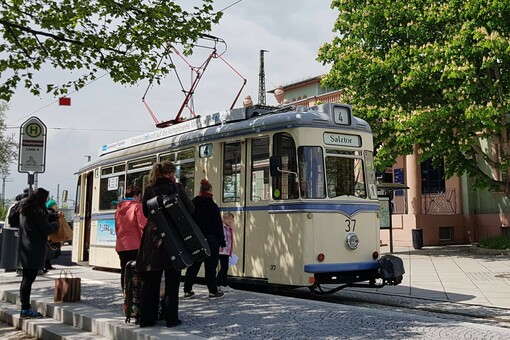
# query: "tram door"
[233,195]
[257,200]
[88,216]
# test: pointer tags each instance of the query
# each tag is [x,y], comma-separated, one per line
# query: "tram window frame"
[285,186]
[312,181]
[167,157]
[342,187]
[108,197]
[260,190]
[231,173]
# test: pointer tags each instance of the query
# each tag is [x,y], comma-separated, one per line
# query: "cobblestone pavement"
[400,313]
[243,315]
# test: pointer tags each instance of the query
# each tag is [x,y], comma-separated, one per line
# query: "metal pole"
[3,191]
[391,224]
[262,79]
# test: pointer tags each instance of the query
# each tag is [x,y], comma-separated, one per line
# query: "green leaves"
[8,146]
[430,73]
[124,38]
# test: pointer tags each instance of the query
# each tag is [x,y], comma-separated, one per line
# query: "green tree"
[125,38]
[430,73]
[8,147]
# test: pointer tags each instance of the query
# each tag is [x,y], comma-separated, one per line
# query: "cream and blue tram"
[300,183]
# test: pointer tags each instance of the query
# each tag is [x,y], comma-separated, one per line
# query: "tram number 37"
[350,225]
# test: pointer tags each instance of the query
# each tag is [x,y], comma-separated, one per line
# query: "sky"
[103,112]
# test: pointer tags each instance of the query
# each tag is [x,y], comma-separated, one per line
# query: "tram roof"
[236,122]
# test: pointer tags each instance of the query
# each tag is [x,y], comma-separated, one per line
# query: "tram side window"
[370,170]
[185,170]
[232,172]
[184,161]
[111,187]
[285,186]
[345,176]
[138,172]
[260,169]
[311,172]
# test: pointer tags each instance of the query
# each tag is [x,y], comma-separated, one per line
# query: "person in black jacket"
[152,257]
[34,231]
[208,218]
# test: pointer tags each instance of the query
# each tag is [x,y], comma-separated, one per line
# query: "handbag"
[52,250]
[67,287]
[64,232]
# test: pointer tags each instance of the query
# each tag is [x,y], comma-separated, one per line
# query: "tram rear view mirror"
[275,165]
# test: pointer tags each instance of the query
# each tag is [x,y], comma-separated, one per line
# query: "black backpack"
[392,269]
[14,214]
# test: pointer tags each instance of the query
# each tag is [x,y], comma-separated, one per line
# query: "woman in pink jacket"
[129,223]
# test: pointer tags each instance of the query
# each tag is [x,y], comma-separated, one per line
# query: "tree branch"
[11,25]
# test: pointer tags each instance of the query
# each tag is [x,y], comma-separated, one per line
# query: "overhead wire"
[233,4]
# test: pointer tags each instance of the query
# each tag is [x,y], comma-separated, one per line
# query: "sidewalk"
[436,278]
[454,273]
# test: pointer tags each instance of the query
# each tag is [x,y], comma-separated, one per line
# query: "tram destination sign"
[32,146]
[342,139]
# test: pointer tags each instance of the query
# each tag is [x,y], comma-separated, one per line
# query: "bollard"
[10,245]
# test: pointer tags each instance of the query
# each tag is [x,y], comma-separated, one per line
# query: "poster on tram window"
[106,232]
[384,212]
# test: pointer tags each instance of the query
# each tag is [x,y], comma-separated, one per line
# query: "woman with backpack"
[34,231]
[153,259]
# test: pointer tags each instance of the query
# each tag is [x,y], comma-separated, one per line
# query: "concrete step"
[44,328]
[77,320]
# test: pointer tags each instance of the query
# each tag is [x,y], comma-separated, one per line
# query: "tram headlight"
[352,240]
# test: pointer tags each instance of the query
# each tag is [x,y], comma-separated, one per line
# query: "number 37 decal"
[350,225]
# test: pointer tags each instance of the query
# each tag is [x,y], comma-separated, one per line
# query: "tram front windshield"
[342,175]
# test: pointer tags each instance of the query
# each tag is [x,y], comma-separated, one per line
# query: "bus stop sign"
[32,146]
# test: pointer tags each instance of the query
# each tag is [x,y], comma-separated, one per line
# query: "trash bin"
[417,238]
[10,244]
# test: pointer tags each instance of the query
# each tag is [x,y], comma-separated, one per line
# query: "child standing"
[226,252]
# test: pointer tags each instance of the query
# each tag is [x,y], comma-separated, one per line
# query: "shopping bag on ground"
[67,287]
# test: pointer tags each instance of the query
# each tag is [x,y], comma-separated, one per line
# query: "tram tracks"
[443,309]
[439,308]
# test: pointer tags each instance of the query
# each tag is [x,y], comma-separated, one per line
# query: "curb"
[77,320]
[485,251]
